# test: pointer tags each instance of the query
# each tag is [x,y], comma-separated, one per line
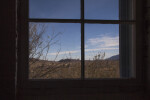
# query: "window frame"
[100,85]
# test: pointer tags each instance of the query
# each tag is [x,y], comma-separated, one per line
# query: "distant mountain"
[115,57]
[68,60]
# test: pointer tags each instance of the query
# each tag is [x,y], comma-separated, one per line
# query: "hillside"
[115,57]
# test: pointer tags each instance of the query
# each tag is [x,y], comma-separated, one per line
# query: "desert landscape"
[71,69]
[41,44]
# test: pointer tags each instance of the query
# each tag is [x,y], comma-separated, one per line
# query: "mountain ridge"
[115,57]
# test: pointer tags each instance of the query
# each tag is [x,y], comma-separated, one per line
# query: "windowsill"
[101,83]
[52,87]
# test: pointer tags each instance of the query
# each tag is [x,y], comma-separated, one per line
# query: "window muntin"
[83,21]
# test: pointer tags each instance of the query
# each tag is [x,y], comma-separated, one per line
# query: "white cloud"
[77,51]
[99,43]
[86,46]
[104,42]
[64,52]
[99,49]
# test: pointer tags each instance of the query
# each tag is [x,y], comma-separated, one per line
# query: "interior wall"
[131,96]
[8,64]
[7,48]
[148,42]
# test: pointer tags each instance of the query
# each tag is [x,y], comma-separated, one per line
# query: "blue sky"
[98,37]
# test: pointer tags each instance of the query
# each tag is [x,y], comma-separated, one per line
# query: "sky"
[98,37]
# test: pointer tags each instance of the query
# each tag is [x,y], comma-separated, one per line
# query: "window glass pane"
[110,9]
[109,51]
[54,51]
[102,9]
[54,9]
[102,51]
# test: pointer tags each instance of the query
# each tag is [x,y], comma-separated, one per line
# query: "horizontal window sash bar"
[56,20]
[85,21]
[111,21]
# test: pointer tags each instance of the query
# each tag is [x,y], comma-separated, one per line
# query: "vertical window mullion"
[82,39]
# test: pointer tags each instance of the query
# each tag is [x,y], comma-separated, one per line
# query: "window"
[82,43]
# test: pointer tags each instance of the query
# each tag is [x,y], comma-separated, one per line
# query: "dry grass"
[102,69]
[72,69]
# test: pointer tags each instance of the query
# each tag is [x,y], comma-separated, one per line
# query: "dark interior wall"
[148,43]
[8,62]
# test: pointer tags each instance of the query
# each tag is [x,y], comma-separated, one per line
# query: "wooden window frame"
[100,85]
